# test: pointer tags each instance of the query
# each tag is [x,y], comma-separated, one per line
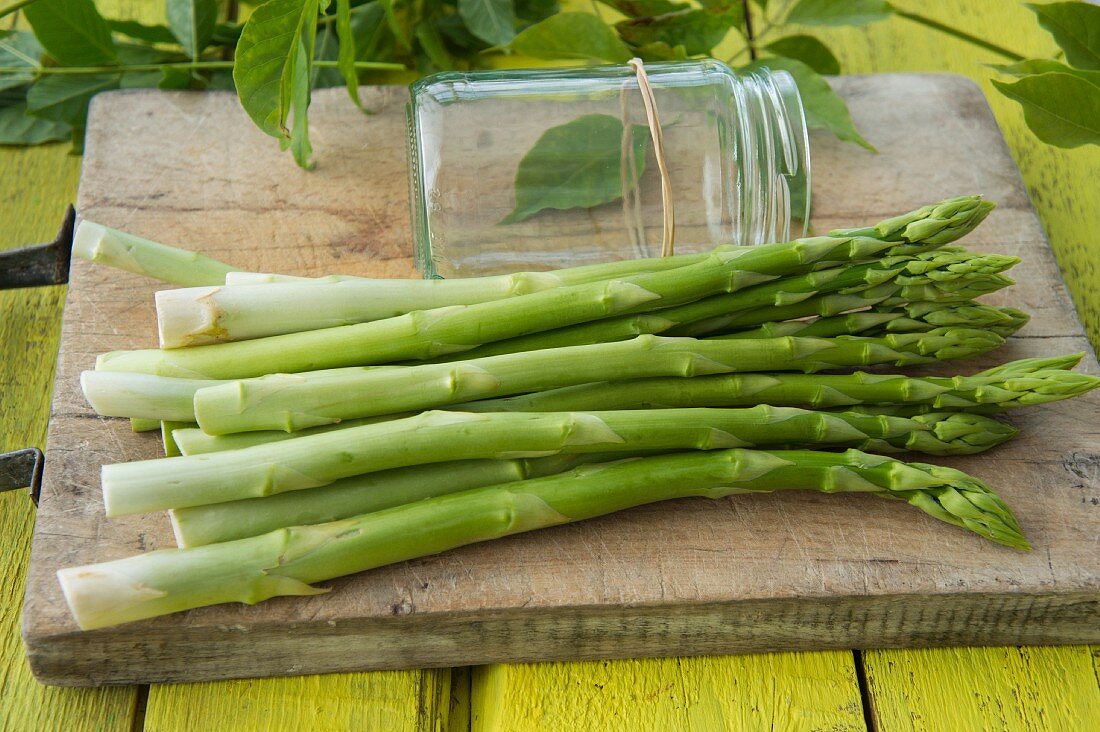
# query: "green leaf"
[65,98]
[698,31]
[299,87]
[1076,29]
[221,80]
[272,70]
[727,5]
[432,45]
[533,11]
[645,8]
[72,31]
[824,108]
[368,26]
[808,50]
[175,78]
[572,36]
[227,34]
[19,128]
[1061,109]
[133,53]
[141,32]
[18,49]
[141,80]
[839,12]
[576,165]
[327,48]
[346,57]
[395,25]
[661,52]
[1045,66]
[168,77]
[192,22]
[451,28]
[493,21]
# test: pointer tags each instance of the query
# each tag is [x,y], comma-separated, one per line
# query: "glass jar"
[545,168]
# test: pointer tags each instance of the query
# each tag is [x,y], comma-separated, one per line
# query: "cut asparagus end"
[113,248]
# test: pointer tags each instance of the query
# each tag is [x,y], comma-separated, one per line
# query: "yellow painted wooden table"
[950,689]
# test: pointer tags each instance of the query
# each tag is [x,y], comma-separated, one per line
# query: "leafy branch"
[289,47]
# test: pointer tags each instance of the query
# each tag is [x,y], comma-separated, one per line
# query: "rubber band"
[668,233]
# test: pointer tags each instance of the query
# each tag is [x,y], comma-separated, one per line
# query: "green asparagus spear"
[320,459]
[142,396]
[202,315]
[912,318]
[943,275]
[296,401]
[359,494]
[1031,365]
[431,333]
[289,560]
[114,248]
[1001,390]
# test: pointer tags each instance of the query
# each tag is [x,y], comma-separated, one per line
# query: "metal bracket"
[22,469]
[41,264]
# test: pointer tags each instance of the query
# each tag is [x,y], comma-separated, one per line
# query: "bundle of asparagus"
[295,407]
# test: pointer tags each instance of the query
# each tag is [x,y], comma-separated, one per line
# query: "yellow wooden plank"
[984,689]
[393,701]
[35,185]
[459,716]
[790,691]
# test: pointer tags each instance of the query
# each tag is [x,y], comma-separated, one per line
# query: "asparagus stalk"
[289,560]
[430,333]
[359,494]
[198,316]
[1016,384]
[913,318]
[1001,390]
[167,431]
[204,315]
[940,276]
[296,401]
[430,437]
[568,275]
[142,396]
[114,248]
[1031,365]
[1008,390]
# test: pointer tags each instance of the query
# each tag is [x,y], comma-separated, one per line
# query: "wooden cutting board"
[749,573]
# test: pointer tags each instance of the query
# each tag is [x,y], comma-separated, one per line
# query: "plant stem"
[17,5]
[287,561]
[955,32]
[749,37]
[200,65]
[114,248]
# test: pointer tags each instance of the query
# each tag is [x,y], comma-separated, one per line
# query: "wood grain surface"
[751,573]
[1054,690]
[811,690]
